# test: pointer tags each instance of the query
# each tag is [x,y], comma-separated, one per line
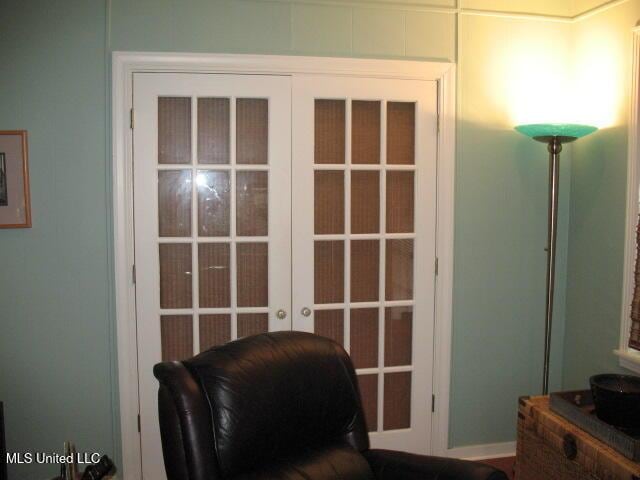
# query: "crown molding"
[597,10]
[456,9]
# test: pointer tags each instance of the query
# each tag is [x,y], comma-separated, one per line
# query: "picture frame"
[15,199]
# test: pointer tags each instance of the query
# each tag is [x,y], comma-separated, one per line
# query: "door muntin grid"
[364,239]
[213,217]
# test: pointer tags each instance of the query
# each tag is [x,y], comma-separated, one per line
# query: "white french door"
[243,183]
[212,210]
[364,210]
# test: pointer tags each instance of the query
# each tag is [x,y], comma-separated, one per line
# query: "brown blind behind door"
[634,338]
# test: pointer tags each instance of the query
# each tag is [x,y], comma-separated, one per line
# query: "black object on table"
[617,400]
[578,407]
[99,470]
[94,472]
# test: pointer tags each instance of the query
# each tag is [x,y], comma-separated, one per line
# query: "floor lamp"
[554,135]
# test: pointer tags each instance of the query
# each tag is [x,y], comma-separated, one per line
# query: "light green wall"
[598,202]
[56,341]
[501,222]
[248,26]
[55,279]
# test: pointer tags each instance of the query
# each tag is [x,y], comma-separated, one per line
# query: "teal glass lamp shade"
[567,131]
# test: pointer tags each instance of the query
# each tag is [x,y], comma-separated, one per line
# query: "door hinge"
[433,403]
[139,428]
[131,119]
[436,266]
[133,274]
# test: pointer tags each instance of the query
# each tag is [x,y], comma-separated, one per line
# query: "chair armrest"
[390,465]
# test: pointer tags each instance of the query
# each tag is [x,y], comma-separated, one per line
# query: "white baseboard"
[481,452]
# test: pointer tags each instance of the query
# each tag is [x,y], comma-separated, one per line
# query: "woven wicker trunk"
[550,447]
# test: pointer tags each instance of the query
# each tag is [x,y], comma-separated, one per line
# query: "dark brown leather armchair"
[279,406]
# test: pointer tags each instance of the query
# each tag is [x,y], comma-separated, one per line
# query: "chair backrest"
[235,408]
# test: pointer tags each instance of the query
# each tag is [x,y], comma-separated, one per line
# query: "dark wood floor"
[505,464]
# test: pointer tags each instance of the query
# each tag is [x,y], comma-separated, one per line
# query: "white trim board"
[629,358]
[125,64]
[482,452]
[428,6]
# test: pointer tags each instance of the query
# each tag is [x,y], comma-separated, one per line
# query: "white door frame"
[125,64]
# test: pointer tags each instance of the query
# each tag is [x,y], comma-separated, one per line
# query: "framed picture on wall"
[15,206]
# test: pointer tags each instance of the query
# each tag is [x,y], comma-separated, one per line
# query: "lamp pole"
[554,146]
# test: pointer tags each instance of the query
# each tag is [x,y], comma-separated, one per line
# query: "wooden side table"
[550,447]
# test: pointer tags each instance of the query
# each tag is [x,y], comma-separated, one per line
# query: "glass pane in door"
[174,203]
[176,333]
[174,130]
[252,124]
[214,133]
[397,336]
[252,203]
[329,271]
[365,201]
[330,324]
[368,385]
[397,400]
[215,329]
[365,132]
[400,193]
[364,337]
[175,275]
[399,270]
[252,324]
[329,201]
[401,126]
[214,203]
[214,268]
[252,276]
[365,270]
[329,142]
